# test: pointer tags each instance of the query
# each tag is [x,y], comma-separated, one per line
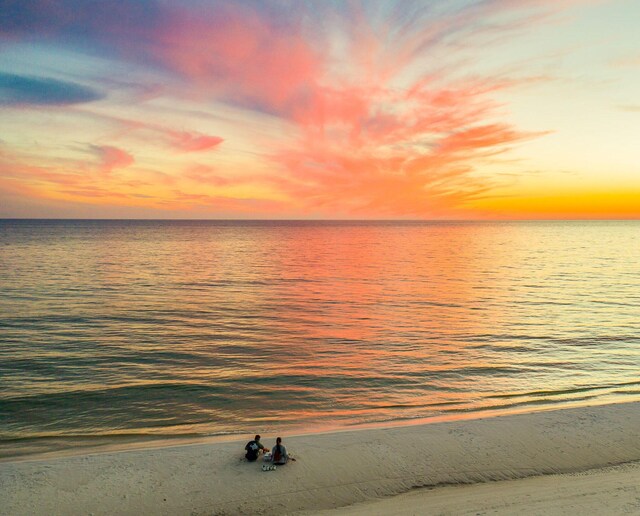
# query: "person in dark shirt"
[254,448]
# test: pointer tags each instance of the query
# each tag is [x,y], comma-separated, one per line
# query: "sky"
[320,109]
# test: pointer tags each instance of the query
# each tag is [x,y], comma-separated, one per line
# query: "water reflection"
[180,327]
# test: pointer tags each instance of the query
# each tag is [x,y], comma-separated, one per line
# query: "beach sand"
[606,492]
[589,458]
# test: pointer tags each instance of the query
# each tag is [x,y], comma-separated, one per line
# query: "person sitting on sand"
[253,449]
[279,453]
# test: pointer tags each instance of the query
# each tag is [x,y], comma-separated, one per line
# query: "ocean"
[132,329]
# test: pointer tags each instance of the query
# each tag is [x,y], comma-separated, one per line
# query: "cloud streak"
[193,142]
[112,157]
[21,90]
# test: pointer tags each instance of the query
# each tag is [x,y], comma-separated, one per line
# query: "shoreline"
[52,447]
[333,470]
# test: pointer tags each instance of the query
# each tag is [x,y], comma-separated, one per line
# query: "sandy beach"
[606,491]
[551,462]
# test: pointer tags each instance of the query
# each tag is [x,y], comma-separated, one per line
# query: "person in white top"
[279,453]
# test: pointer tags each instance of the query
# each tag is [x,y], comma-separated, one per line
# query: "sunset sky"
[492,109]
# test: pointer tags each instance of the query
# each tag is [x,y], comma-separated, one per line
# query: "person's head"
[278,440]
[257,438]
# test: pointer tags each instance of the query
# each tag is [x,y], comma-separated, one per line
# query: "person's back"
[279,453]
[253,449]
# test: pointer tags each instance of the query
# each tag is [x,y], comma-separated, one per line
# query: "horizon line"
[637,219]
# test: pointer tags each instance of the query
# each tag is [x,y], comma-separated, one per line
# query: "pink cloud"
[193,142]
[183,141]
[239,54]
[370,147]
[112,157]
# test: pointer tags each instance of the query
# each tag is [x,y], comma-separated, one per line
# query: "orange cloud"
[74,181]
[371,150]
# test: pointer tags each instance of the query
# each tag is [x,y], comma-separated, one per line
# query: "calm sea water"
[181,328]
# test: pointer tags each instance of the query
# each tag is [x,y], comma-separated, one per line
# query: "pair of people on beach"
[279,453]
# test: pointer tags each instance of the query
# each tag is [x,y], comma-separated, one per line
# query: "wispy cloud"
[193,142]
[21,90]
[112,157]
